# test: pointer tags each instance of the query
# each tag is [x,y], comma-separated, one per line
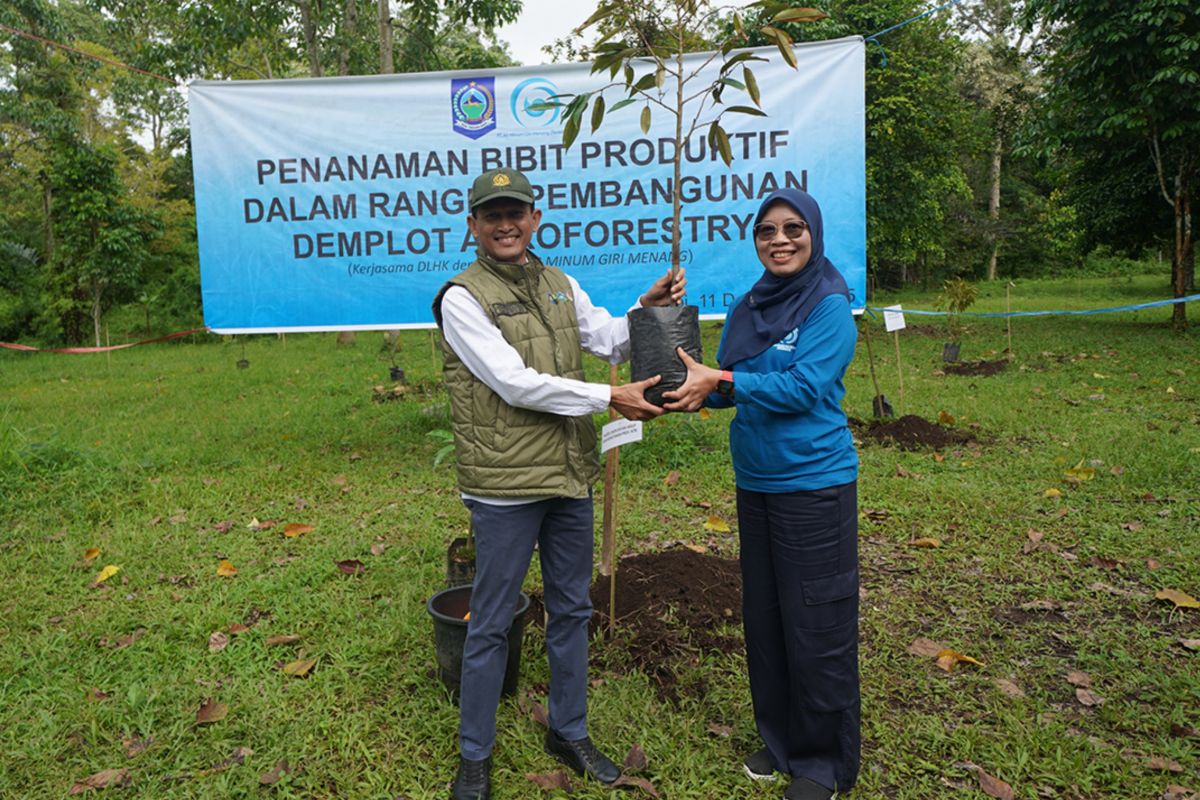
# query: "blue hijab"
[775,306]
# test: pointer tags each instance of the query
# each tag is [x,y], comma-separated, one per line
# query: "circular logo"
[473,106]
[528,92]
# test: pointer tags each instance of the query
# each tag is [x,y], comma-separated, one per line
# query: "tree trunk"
[48,225]
[310,38]
[386,62]
[994,204]
[97,312]
[1183,243]
[349,25]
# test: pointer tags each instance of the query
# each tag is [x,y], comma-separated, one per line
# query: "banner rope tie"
[874,37]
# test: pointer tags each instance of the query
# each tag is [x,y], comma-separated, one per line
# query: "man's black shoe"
[474,781]
[583,757]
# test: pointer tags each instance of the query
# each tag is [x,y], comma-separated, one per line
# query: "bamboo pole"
[608,560]
[899,370]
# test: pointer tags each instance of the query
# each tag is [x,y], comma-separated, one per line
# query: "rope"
[78,350]
[1078,312]
[112,62]
[874,37]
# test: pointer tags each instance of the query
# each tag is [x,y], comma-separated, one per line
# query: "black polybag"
[654,334]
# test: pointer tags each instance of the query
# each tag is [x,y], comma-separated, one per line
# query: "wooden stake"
[899,371]
[608,560]
[107,343]
[1008,310]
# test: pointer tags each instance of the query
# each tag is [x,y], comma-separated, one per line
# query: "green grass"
[150,453]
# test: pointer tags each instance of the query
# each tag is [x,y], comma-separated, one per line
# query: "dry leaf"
[704,413]
[1184,731]
[991,785]
[551,780]
[339,480]
[1162,764]
[237,628]
[1180,599]
[938,457]
[1117,471]
[294,529]
[300,667]
[287,638]
[1087,697]
[217,642]
[672,478]
[134,746]
[1176,792]
[696,548]
[101,780]
[1080,473]
[925,541]
[95,695]
[226,569]
[1052,493]
[1041,605]
[1152,563]
[638,781]
[224,526]
[925,647]
[351,566]
[1009,688]
[129,638]
[636,759]
[91,554]
[715,523]
[946,659]
[1077,678]
[719,730]
[1190,644]
[272,777]
[945,418]
[211,711]
[105,574]
[378,548]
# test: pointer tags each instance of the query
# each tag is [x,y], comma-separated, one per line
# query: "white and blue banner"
[340,203]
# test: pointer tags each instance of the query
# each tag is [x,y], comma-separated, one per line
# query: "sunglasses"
[765,231]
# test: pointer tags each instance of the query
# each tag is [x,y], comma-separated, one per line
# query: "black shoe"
[806,789]
[583,757]
[474,781]
[758,766]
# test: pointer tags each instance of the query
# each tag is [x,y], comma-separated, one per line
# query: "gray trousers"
[504,540]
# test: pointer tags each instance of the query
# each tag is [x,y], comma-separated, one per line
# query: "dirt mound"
[911,432]
[983,368]
[670,609]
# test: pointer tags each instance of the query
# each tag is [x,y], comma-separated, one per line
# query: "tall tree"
[1130,71]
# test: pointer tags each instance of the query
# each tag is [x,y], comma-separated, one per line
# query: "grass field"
[162,456]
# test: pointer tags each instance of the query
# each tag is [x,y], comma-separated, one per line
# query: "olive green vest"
[501,450]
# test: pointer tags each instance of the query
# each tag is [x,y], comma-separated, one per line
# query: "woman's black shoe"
[806,789]
[583,757]
[474,781]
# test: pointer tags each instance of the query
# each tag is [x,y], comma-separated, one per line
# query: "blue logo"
[473,106]
[528,92]
[788,343]
[559,297]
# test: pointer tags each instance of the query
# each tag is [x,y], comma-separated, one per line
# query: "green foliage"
[957,296]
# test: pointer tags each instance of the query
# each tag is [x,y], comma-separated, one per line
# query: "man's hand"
[665,293]
[701,382]
[629,400]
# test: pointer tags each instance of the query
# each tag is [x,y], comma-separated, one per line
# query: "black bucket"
[448,607]
[654,333]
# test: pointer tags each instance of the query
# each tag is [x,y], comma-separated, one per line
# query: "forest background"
[1004,139]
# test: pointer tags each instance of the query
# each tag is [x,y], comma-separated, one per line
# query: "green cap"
[497,184]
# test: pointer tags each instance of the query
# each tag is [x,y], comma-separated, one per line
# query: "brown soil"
[671,607]
[911,432]
[983,368]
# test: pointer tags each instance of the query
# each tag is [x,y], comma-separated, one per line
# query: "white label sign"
[893,319]
[619,432]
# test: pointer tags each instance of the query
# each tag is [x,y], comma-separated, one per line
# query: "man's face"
[504,228]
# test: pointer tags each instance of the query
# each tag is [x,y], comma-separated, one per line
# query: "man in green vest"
[513,330]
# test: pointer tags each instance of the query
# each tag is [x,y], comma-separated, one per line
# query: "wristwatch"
[725,384]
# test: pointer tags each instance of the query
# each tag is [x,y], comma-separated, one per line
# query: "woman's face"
[783,241]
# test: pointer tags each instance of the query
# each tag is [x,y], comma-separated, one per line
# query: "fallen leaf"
[226,569]
[217,642]
[1078,678]
[1104,562]
[271,778]
[638,781]
[211,711]
[300,667]
[1190,644]
[925,541]
[101,780]
[294,529]
[129,638]
[91,554]
[946,659]
[265,525]
[696,548]
[105,574]
[378,548]
[1184,731]
[938,457]
[719,730]
[286,638]
[715,523]
[1009,688]
[1161,764]
[901,472]
[704,413]
[237,628]
[989,784]
[300,504]
[945,418]
[351,566]
[1152,563]
[551,780]
[672,478]
[1176,792]
[1041,605]
[224,526]
[135,746]
[1087,697]
[876,514]
[1080,473]
[636,759]
[1131,526]
[925,647]
[1180,599]
[95,695]
[1052,493]
[1117,471]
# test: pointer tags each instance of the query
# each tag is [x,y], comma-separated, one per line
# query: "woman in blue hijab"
[784,351]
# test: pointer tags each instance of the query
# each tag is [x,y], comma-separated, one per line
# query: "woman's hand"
[701,382]
[665,293]
[630,401]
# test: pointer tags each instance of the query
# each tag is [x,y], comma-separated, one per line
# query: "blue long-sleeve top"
[789,433]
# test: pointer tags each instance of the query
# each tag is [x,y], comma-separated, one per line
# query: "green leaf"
[754,112]
[629,74]
[604,11]
[544,105]
[751,85]
[735,84]
[646,119]
[570,131]
[645,82]
[722,142]
[597,113]
[622,103]
[800,15]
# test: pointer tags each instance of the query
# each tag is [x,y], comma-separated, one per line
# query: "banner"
[340,203]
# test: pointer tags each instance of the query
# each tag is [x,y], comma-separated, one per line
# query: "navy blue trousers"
[799,556]
[504,539]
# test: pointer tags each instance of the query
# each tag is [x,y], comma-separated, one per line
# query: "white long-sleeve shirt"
[477,341]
